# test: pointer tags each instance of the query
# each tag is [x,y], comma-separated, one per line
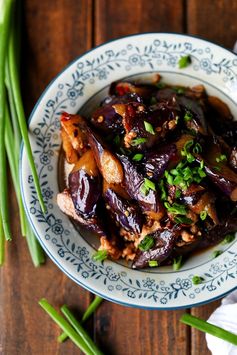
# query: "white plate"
[87,79]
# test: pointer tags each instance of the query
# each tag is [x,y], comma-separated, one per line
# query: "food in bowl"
[153,172]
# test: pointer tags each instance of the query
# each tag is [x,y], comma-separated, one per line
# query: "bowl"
[80,87]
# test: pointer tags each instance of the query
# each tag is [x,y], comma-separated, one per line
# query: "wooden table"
[55,32]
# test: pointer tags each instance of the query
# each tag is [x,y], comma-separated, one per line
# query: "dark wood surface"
[54,33]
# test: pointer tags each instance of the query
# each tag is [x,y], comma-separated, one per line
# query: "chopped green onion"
[89,311]
[160,85]
[153,101]
[178,193]
[183,220]
[162,189]
[117,140]
[217,168]
[209,328]
[146,243]
[100,255]
[177,263]
[80,330]
[65,326]
[137,157]
[184,61]
[229,238]
[153,263]
[196,280]
[216,253]
[203,215]
[197,148]
[144,190]
[149,184]
[149,128]
[188,116]
[137,141]
[179,90]
[175,208]
[221,158]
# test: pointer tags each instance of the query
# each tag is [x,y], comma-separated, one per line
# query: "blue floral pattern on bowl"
[85,77]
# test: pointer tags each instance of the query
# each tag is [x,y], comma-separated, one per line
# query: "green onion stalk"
[5,21]
[89,311]
[75,333]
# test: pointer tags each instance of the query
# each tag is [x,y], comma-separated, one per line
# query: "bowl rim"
[64,69]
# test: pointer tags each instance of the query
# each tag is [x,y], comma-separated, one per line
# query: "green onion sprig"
[209,328]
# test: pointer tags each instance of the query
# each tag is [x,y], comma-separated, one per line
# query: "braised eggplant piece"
[85,185]
[66,205]
[122,88]
[70,153]
[145,127]
[164,241]
[156,162]
[126,213]
[194,116]
[133,181]
[106,120]
[108,164]
[75,127]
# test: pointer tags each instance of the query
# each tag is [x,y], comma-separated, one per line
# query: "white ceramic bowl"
[79,87]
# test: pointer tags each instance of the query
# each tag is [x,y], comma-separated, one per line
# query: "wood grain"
[55,32]
[113,19]
[214,20]
[119,328]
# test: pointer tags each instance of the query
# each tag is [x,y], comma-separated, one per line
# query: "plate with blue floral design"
[76,89]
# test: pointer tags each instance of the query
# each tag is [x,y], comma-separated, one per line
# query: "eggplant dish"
[153,172]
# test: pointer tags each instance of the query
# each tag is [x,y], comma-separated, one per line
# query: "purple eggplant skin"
[222,177]
[106,120]
[155,163]
[194,107]
[94,224]
[133,180]
[126,213]
[162,249]
[85,191]
[217,233]
[233,159]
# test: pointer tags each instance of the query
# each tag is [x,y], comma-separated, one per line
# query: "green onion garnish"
[153,263]
[162,189]
[117,140]
[149,184]
[203,215]
[153,100]
[149,128]
[178,193]
[175,208]
[179,90]
[188,116]
[177,263]
[184,61]
[209,328]
[146,243]
[196,280]
[137,157]
[160,85]
[2,243]
[100,255]
[228,239]
[183,220]
[197,148]
[137,141]
[216,253]
[221,158]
